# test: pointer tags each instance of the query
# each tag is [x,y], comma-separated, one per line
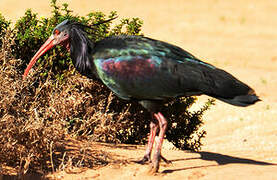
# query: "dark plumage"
[136,62]
[148,71]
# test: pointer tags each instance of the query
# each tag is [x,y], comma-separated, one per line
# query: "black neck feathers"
[80,50]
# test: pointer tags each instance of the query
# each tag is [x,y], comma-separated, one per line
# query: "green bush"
[183,131]
[32,31]
[4,25]
[55,93]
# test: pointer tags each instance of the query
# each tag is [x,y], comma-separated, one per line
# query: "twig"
[51,156]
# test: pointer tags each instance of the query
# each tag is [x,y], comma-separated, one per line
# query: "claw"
[153,168]
[165,160]
[144,160]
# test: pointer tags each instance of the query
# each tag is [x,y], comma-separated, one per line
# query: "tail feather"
[229,89]
[243,100]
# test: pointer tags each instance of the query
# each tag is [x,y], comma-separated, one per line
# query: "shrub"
[31,32]
[30,138]
[4,25]
[38,114]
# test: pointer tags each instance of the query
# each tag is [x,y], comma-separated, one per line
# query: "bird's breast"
[127,75]
[125,67]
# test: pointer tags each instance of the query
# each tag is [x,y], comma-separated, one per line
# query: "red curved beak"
[43,49]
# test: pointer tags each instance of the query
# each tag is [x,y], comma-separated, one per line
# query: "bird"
[147,71]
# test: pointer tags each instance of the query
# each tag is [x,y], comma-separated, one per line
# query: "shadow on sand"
[220,159]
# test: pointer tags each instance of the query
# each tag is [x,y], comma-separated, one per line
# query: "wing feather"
[143,68]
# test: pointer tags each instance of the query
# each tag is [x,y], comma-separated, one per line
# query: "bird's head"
[60,36]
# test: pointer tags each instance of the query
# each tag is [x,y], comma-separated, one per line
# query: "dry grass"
[33,118]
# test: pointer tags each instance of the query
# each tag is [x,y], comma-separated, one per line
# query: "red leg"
[157,153]
[151,139]
[153,131]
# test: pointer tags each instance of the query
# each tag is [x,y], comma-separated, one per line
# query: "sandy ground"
[238,36]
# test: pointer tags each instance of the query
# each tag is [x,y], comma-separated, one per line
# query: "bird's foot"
[144,160]
[152,170]
[165,160]
[154,166]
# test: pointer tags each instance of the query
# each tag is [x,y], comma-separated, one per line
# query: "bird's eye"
[57,32]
